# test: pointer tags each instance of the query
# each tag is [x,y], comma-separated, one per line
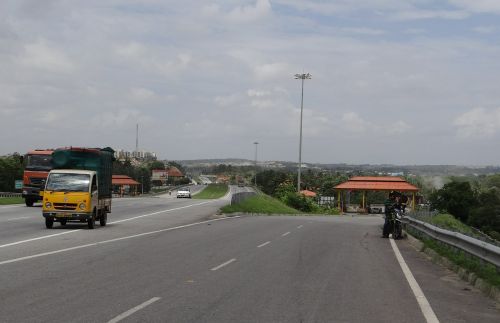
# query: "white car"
[184,192]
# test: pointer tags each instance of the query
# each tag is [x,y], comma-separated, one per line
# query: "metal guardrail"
[480,249]
[10,194]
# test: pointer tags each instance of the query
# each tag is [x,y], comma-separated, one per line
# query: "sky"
[393,82]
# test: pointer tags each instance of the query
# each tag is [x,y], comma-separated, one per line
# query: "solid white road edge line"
[224,264]
[425,307]
[264,244]
[108,241]
[119,221]
[133,310]
[285,234]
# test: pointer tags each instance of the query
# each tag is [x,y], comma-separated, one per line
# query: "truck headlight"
[82,206]
[48,205]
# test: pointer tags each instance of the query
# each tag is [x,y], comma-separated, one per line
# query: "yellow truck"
[78,188]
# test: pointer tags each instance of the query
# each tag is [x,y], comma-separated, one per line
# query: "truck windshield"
[38,162]
[66,182]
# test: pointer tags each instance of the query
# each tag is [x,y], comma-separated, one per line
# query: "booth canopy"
[377,183]
[123,180]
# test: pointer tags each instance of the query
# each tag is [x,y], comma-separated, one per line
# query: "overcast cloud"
[402,82]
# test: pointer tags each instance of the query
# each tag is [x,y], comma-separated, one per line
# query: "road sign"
[18,184]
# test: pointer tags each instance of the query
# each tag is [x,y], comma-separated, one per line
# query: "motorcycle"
[397,224]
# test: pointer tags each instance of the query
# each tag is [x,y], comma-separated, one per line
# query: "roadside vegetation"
[448,222]
[212,191]
[485,271]
[260,203]
[472,202]
[11,200]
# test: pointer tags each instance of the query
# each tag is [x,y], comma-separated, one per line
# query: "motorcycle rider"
[390,204]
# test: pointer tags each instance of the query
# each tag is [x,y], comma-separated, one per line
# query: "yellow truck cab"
[82,191]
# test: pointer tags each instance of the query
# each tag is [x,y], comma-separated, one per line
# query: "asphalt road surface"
[171,260]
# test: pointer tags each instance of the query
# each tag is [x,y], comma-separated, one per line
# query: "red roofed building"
[375,183]
[174,172]
[308,193]
[123,184]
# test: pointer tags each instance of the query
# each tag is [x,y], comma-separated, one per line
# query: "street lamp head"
[256,143]
[303,76]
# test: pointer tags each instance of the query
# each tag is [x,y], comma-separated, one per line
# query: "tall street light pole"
[301,77]
[255,143]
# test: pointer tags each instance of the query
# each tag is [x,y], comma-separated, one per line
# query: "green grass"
[260,204]
[212,191]
[448,222]
[11,200]
[483,270]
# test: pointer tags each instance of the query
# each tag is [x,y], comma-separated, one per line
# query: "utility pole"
[301,77]
[255,143]
[137,137]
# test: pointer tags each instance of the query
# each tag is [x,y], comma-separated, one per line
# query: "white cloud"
[486,6]
[261,9]
[257,93]
[363,31]
[397,128]
[43,56]
[485,29]
[132,49]
[478,122]
[141,94]
[352,122]
[272,71]
[417,14]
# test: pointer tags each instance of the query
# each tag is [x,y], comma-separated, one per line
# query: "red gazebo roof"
[308,193]
[123,180]
[375,183]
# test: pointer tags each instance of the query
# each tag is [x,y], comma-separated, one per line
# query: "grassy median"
[260,203]
[212,191]
[11,200]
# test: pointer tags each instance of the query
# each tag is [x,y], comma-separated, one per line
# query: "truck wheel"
[91,221]
[29,202]
[63,221]
[103,219]
[49,223]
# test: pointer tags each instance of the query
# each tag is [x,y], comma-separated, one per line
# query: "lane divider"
[109,241]
[223,265]
[133,310]
[113,222]
[285,234]
[264,244]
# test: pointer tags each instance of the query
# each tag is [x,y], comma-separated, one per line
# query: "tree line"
[474,201]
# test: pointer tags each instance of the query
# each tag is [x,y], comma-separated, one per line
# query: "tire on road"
[49,223]
[91,221]
[29,202]
[103,219]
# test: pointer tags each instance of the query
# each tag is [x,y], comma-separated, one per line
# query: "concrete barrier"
[241,196]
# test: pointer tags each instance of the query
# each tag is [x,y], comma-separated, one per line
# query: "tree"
[11,169]
[456,198]
[269,180]
[486,216]
[156,165]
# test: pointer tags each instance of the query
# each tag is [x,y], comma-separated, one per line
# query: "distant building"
[121,154]
[163,176]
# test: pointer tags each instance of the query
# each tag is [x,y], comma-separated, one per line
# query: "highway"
[162,259]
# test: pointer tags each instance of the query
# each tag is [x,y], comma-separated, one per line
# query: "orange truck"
[37,164]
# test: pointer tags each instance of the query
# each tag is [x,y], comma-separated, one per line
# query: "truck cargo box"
[95,159]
